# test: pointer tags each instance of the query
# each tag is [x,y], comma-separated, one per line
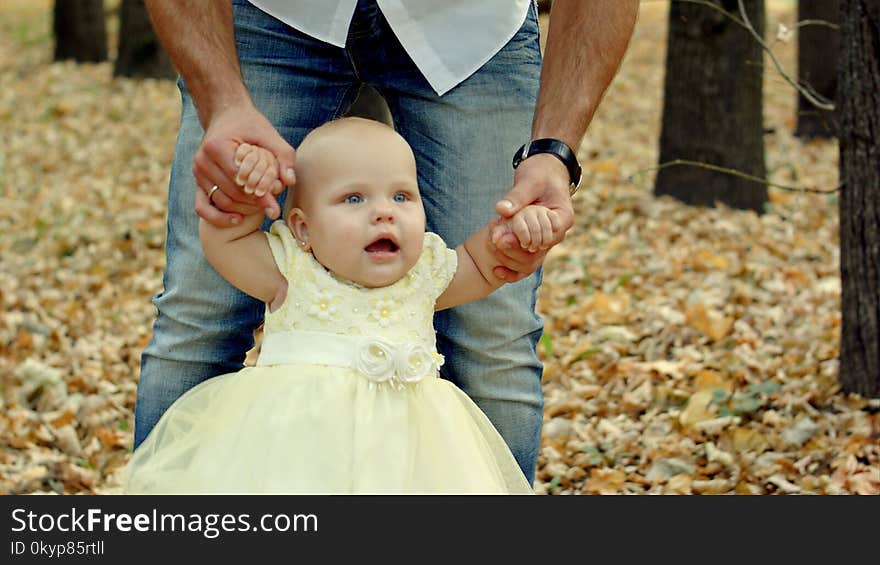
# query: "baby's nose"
[383,213]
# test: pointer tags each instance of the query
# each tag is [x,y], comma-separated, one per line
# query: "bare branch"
[814,98]
[825,23]
[733,172]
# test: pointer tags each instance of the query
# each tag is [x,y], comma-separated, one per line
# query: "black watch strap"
[555,147]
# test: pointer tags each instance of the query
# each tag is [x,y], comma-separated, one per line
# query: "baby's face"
[361,210]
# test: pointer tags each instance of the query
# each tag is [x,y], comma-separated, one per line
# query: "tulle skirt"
[306,429]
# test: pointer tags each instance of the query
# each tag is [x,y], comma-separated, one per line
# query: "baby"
[344,397]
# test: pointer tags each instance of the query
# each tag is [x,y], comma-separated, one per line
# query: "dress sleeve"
[284,247]
[440,262]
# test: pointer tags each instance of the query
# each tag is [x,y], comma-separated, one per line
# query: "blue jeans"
[463,143]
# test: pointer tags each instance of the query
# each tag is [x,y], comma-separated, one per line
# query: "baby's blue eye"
[353,199]
[400,197]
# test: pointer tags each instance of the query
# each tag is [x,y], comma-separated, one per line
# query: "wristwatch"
[560,150]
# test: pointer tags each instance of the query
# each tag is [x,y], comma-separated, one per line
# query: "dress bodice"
[320,303]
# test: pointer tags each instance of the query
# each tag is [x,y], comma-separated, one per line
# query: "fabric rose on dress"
[374,359]
[413,362]
[380,361]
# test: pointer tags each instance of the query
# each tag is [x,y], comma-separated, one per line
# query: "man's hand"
[584,49]
[215,164]
[541,180]
[208,62]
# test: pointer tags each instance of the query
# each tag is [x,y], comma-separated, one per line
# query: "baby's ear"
[298,224]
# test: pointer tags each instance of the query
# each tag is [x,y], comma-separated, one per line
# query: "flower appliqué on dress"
[384,312]
[324,307]
[381,361]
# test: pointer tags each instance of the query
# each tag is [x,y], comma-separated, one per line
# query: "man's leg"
[464,142]
[205,326]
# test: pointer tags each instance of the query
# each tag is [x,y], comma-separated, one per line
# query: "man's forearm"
[206,58]
[585,46]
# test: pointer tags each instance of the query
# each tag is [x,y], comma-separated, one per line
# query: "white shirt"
[447,39]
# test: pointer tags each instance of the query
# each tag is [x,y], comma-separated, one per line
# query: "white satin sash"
[377,359]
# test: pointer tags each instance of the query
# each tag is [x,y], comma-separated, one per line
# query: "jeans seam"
[354,68]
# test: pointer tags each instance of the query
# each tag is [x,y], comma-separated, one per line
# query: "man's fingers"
[232,210]
[517,198]
[528,188]
[218,154]
[212,215]
[211,174]
[222,202]
[561,220]
[565,216]
[270,206]
[233,138]
[509,205]
[286,156]
[512,256]
[524,192]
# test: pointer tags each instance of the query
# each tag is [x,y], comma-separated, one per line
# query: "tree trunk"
[712,106]
[80,31]
[140,53]
[818,47]
[860,196]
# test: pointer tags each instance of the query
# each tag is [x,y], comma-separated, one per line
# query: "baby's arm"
[242,256]
[473,279]
[535,226]
[241,253]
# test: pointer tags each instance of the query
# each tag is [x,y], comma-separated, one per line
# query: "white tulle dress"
[345,398]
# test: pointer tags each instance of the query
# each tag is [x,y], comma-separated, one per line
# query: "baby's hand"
[258,171]
[534,226]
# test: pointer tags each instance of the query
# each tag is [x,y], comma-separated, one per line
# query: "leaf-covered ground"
[687,350]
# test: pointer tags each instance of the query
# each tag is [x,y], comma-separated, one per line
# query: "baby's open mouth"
[383,245]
